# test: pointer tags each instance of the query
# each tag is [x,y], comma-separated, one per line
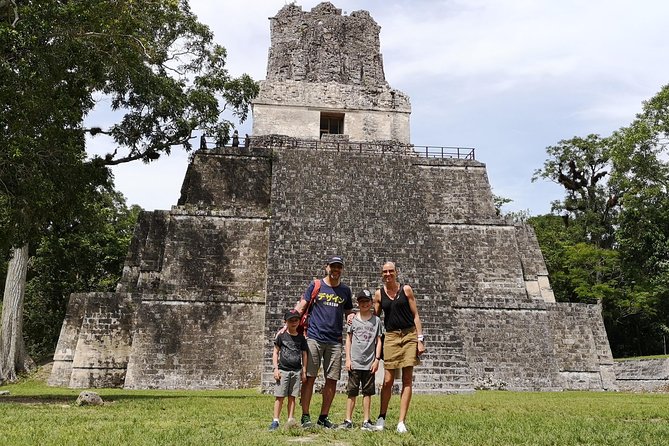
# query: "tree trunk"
[13,358]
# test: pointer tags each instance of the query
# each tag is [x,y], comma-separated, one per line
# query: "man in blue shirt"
[324,337]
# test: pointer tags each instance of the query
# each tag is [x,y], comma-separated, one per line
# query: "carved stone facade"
[325,74]
[206,284]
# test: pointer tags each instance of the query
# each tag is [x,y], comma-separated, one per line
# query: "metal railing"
[445,152]
[383,147]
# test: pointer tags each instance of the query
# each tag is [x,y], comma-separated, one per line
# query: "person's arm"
[275,362]
[377,302]
[349,337]
[377,355]
[304,366]
[408,292]
[301,304]
[349,312]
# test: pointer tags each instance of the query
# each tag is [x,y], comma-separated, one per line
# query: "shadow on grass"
[129,396]
[37,399]
[70,399]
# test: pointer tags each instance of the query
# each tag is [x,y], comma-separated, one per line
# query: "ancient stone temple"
[329,170]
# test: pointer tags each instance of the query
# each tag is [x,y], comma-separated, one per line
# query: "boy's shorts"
[358,377]
[289,384]
[330,354]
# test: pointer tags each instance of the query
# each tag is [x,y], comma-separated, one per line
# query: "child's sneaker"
[305,421]
[368,426]
[380,423]
[401,428]
[325,422]
[274,426]
[347,424]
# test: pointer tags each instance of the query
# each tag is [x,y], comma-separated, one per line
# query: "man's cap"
[335,259]
[291,314]
[363,294]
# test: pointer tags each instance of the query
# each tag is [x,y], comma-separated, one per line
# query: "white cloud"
[507,76]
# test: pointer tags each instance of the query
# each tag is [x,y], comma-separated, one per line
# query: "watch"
[421,338]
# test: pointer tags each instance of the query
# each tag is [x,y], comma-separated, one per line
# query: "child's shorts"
[358,378]
[289,384]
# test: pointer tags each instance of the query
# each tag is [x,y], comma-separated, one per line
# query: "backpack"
[304,320]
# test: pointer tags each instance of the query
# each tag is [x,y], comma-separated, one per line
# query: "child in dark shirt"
[289,359]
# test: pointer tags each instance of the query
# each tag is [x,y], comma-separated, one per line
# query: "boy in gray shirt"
[363,353]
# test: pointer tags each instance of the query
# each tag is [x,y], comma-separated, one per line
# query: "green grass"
[34,414]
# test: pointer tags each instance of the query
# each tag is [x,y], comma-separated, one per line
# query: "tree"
[86,255]
[155,63]
[616,208]
[12,316]
[581,166]
[641,173]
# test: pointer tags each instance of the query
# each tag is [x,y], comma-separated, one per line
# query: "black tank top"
[397,313]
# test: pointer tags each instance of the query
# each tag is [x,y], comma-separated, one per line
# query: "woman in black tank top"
[397,313]
[403,344]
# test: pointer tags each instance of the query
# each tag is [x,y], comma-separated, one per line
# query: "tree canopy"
[155,64]
[614,243]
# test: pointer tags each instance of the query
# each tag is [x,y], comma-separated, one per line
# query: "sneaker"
[380,423]
[325,422]
[346,425]
[274,426]
[368,426]
[291,423]
[305,421]
[401,428]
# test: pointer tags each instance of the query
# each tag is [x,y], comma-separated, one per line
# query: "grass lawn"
[34,414]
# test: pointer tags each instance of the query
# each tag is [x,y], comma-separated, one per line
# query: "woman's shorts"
[400,349]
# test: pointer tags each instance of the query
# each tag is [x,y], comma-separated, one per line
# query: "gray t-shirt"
[363,341]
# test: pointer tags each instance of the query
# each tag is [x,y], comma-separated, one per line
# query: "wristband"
[421,338]
[378,358]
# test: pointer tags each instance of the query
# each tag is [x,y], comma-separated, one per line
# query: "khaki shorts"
[289,384]
[400,349]
[330,354]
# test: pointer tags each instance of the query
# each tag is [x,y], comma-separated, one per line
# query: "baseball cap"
[291,314]
[335,259]
[363,294]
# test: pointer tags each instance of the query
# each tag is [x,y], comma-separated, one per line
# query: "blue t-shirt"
[326,317]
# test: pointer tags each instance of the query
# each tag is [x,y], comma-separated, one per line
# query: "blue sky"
[508,77]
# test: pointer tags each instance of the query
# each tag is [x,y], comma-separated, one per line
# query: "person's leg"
[405,398]
[306,393]
[332,372]
[386,390]
[291,407]
[313,364]
[278,403]
[329,390]
[352,388]
[294,393]
[366,407]
[350,407]
[368,389]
